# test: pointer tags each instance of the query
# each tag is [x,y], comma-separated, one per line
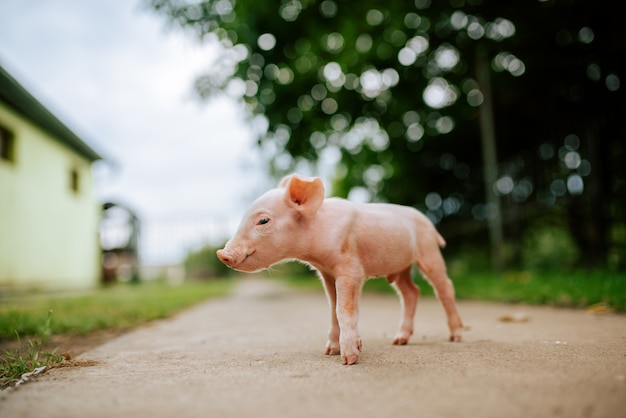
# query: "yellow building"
[49,217]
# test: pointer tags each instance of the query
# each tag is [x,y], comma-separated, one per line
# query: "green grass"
[32,319]
[119,307]
[15,362]
[577,289]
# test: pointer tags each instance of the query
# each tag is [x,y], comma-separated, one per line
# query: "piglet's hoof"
[401,338]
[350,354]
[351,359]
[332,349]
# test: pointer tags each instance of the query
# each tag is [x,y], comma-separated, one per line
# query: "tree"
[389,91]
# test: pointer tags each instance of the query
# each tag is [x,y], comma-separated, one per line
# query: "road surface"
[259,353]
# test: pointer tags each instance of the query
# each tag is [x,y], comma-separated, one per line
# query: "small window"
[74,180]
[6,145]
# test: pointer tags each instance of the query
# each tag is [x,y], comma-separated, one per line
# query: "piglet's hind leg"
[434,269]
[409,294]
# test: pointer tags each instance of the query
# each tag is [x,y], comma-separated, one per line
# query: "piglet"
[346,243]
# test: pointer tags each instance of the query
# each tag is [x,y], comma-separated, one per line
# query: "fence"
[166,242]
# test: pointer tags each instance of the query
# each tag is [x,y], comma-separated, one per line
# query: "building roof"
[20,100]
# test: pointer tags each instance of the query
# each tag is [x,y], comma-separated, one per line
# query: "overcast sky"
[122,81]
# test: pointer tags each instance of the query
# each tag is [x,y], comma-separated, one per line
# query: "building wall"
[48,230]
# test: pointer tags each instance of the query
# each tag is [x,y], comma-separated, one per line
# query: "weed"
[16,362]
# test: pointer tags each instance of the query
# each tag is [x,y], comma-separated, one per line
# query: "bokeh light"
[439,94]
[266,41]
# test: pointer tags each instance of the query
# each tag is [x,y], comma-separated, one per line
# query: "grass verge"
[575,289]
[28,322]
[15,362]
[120,307]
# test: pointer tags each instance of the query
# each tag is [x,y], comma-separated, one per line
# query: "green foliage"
[348,82]
[120,307]
[15,362]
[204,264]
[549,249]
[293,269]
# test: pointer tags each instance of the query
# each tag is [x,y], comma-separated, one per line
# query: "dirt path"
[259,354]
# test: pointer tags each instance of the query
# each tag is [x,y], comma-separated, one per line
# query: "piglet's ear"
[285,180]
[305,194]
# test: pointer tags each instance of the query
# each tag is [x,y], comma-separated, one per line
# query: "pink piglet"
[346,243]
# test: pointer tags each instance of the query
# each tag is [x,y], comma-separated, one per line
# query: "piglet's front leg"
[348,292]
[332,346]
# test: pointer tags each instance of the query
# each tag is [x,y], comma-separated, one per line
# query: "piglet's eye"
[263,221]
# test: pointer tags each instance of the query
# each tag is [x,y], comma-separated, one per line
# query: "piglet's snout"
[226,257]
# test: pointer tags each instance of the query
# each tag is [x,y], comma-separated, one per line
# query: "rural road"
[258,353]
